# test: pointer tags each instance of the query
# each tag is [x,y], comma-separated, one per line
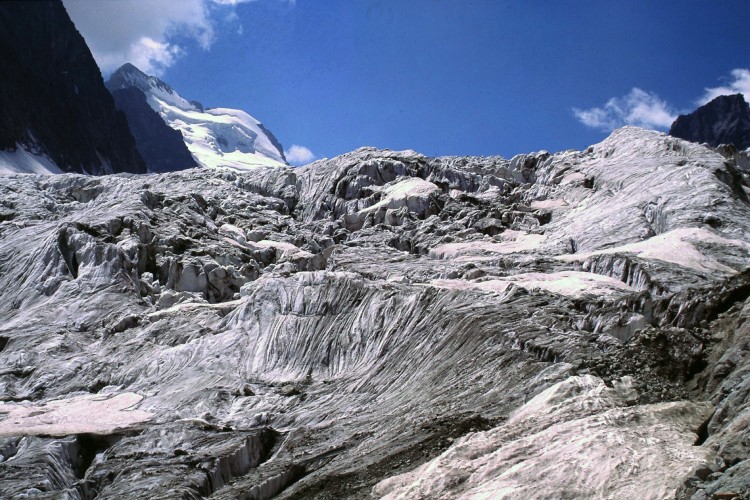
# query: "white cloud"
[143,31]
[237,2]
[739,83]
[638,107]
[232,2]
[147,54]
[299,155]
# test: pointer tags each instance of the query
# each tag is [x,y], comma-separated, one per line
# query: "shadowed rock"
[53,101]
[724,120]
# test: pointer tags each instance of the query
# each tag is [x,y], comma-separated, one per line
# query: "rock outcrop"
[53,103]
[724,120]
[381,324]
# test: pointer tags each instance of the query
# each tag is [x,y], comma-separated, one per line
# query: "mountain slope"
[217,137]
[382,324]
[55,112]
[161,146]
[724,120]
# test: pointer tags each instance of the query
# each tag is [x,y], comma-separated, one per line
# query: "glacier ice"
[381,323]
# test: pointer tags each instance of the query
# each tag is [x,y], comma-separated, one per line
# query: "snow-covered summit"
[217,137]
[130,76]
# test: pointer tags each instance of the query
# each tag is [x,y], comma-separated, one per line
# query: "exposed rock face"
[53,102]
[724,120]
[161,146]
[381,324]
[217,137]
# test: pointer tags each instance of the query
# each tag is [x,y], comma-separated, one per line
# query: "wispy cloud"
[638,107]
[648,110]
[232,2]
[737,83]
[141,31]
[299,155]
[144,32]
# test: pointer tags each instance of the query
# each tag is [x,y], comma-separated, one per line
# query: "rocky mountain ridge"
[724,120]
[382,324]
[55,114]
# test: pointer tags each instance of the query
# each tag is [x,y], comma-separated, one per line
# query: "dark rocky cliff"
[52,96]
[725,120]
[161,147]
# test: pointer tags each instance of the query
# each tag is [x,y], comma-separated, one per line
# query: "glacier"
[381,324]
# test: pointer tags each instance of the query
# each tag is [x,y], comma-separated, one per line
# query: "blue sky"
[438,76]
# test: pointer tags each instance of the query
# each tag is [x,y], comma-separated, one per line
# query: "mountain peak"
[723,120]
[128,75]
[129,68]
[731,98]
[217,137]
